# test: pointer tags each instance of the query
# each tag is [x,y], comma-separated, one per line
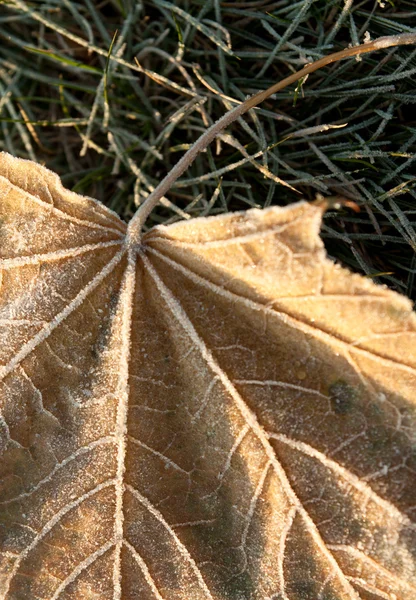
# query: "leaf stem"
[136,224]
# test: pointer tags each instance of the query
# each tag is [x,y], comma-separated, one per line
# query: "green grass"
[73,97]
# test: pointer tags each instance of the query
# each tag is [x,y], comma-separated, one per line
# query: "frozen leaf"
[218,412]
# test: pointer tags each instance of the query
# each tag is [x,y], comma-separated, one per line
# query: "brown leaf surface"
[220,414]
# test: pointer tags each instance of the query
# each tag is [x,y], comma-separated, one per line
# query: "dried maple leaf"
[214,411]
[218,413]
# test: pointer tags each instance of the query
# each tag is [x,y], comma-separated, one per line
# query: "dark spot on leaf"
[378,438]
[342,396]
[241,587]
[305,588]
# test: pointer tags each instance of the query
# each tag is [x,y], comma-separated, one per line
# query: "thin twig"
[137,222]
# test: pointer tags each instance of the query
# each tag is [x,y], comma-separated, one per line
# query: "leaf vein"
[144,569]
[87,562]
[307,328]
[34,259]
[178,312]
[46,331]
[79,452]
[181,547]
[126,302]
[49,526]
